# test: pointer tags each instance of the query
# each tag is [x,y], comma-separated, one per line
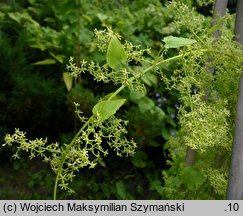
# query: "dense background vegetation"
[37,37]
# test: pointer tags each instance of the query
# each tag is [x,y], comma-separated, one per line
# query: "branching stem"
[65,153]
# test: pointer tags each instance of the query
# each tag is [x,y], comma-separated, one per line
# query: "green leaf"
[150,79]
[116,53]
[144,103]
[59,58]
[68,80]
[121,190]
[159,112]
[156,185]
[42,47]
[136,96]
[88,18]
[192,178]
[19,17]
[45,62]
[15,16]
[165,134]
[102,17]
[101,162]
[105,109]
[176,42]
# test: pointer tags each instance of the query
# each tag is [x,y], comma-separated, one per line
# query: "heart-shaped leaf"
[68,80]
[45,62]
[105,109]
[116,53]
[176,42]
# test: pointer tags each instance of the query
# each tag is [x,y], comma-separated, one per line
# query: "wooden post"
[235,183]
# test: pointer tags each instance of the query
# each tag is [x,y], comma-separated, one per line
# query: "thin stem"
[159,63]
[65,153]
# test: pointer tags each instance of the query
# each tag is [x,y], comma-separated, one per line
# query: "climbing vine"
[207,82]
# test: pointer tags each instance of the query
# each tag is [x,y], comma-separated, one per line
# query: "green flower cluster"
[102,131]
[85,150]
[124,72]
[36,147]
[207,80]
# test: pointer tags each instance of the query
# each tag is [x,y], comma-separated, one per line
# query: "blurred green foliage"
[37,37]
